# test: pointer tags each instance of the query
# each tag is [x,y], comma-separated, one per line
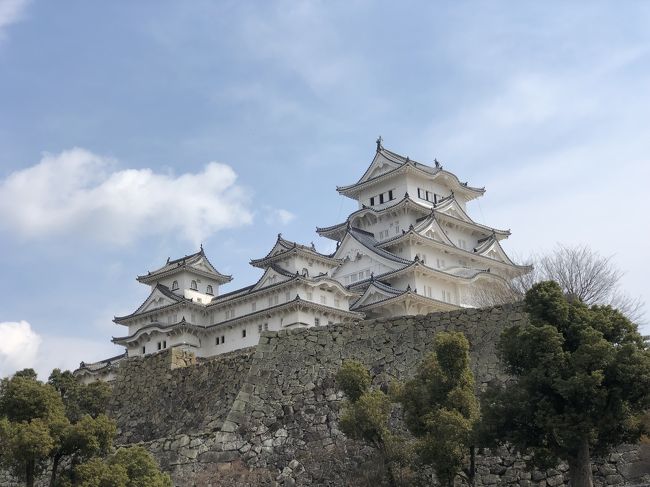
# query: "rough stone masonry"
[275,407]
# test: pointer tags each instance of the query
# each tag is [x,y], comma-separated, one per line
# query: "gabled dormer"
[192,276]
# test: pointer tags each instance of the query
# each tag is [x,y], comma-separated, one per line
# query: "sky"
[135,131]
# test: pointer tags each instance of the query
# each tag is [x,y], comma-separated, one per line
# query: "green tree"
[441,409]
[32,418]
[582,382]
[128,467]
[365,417]
[89,432]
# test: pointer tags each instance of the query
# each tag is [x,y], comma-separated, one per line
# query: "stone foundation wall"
[274,409]
[169,393]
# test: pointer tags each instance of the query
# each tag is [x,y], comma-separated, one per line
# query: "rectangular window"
[143,350]
[164,343]
[159,345]
[361,275]
[266,327]
[243,333]
[372,201]
[381,198]
[390,195]
[317,321]
[323,300]
[223,338]
[259,328]
[216,341]
[419,193]
[353,278]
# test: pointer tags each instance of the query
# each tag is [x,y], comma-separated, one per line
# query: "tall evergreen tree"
[582,382]
[441,409]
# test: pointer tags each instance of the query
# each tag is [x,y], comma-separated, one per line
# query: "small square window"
[223,338]
[143,350]
[243,333]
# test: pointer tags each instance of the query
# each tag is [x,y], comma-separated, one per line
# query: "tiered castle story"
[410,248]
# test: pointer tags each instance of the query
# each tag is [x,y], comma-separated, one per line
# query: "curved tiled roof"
[177,299]
[288,246]
[403,163]
[173,266]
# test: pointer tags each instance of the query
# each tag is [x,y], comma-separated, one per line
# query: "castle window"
[208,290]
[259,328]
[381,198]
[390,195]
[372,201]
[164,343]
[159,345]
[193,285]
[143,350]
[266,327]
[223,338]
[243,333]
[216,341]
[174,285]
[317,321]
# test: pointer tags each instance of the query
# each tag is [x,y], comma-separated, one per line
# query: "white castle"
[410,249]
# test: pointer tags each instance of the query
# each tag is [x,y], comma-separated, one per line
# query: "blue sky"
[134,131]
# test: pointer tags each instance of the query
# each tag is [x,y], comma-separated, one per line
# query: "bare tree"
[583,274]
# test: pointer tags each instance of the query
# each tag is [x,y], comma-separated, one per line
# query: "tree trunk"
[55,468]
[29,473]
[580,467]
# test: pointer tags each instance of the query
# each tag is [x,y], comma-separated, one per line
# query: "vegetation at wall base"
[63,422]
[581,383]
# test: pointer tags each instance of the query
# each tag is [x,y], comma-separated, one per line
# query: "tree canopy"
[440,406]
[582,381]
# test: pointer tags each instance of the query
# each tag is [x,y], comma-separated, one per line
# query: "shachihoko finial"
[379,141]
[437,163]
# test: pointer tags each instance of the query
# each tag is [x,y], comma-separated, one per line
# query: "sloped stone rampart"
[169,393]
[278,405]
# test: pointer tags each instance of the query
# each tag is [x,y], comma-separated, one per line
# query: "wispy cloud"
[278,216]
[11,11]
[22,347]
[18,347]
[83,195]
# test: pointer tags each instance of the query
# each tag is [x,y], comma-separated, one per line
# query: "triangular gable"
[269,278]
[157,299]
[203,265]
[379,165]
[496,252]
[374,294]
[352,249]
[431,229]
[452,208]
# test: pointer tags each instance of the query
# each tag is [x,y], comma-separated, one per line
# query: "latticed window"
[174,285]
[193,285]
[209,289]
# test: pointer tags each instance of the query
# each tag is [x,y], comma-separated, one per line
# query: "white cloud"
[11,11]
[22,347]
[275,216]
[18,346]
[80,193]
